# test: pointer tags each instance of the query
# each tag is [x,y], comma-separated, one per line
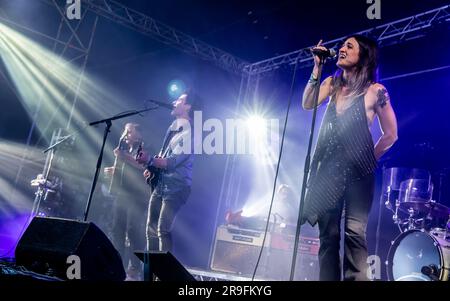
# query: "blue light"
[175,88]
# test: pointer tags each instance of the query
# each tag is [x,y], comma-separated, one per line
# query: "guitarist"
[128,217]
[174,167]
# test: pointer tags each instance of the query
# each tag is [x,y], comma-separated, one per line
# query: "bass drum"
[415,253]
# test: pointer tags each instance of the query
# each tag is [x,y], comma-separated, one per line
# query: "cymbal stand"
[41,193]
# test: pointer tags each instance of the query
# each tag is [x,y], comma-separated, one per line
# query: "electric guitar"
[151,174]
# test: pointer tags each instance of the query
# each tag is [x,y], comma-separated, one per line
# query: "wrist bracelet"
[312,80]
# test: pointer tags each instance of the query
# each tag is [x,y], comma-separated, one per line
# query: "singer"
[345,157]
[174,178]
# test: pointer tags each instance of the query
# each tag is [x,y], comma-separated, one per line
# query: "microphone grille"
[332,53]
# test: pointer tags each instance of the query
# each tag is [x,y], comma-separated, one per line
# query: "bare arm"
[308,93]
[387,120]
[325,87]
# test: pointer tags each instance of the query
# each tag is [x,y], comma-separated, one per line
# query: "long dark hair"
[366,69]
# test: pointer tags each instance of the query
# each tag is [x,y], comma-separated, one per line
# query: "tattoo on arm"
[382,97]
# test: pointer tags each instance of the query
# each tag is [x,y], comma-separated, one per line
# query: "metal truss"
[67,38]
[165,34]
[388,34]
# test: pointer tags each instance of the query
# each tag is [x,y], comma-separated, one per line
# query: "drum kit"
[422,251]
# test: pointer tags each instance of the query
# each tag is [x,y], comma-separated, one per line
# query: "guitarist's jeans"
[162,211]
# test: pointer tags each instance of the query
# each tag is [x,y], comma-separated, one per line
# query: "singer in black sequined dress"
[341,179]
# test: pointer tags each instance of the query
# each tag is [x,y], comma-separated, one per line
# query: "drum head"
[411,251]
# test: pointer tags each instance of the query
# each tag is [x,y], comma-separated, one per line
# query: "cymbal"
[437,209]
[416,204]
[41,182]
[425,207]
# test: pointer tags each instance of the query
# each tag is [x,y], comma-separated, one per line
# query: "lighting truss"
[168,35]
[388,34]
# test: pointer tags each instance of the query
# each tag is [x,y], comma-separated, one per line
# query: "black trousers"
[162,212]
[356,202]
[128,228]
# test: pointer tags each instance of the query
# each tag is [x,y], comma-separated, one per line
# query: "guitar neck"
[114,176]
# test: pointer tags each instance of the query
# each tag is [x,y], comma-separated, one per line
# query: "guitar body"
[153,173]
[153,178]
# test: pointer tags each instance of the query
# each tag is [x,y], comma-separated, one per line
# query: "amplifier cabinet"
[236,251]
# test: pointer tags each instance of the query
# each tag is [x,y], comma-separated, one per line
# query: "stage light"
[257,126]
[53,89]
[263,138]
[57,88]
[175,88]
[14,191]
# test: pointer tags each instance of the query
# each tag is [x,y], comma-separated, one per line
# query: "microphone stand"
[43,191]
[108,122]
[306,168]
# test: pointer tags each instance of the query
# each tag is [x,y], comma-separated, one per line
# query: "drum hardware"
[418,255]
[422,250]
[405,192]
[431,271]
[46,183]
[411,220]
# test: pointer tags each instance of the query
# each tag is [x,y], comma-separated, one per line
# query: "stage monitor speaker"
[164,266]
[48,242]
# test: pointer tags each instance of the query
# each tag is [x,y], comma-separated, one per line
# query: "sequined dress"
[344,153]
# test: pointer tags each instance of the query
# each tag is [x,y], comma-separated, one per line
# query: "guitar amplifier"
[236,250]
[307,245]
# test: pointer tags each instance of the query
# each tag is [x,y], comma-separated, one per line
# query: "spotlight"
[175,88]
[257,126]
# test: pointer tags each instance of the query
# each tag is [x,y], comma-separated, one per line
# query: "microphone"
[327,53]
[161,104]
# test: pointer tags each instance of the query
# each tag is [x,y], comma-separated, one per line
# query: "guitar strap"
[166,145]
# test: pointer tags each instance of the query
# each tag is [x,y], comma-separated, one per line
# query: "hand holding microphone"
[320,51]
